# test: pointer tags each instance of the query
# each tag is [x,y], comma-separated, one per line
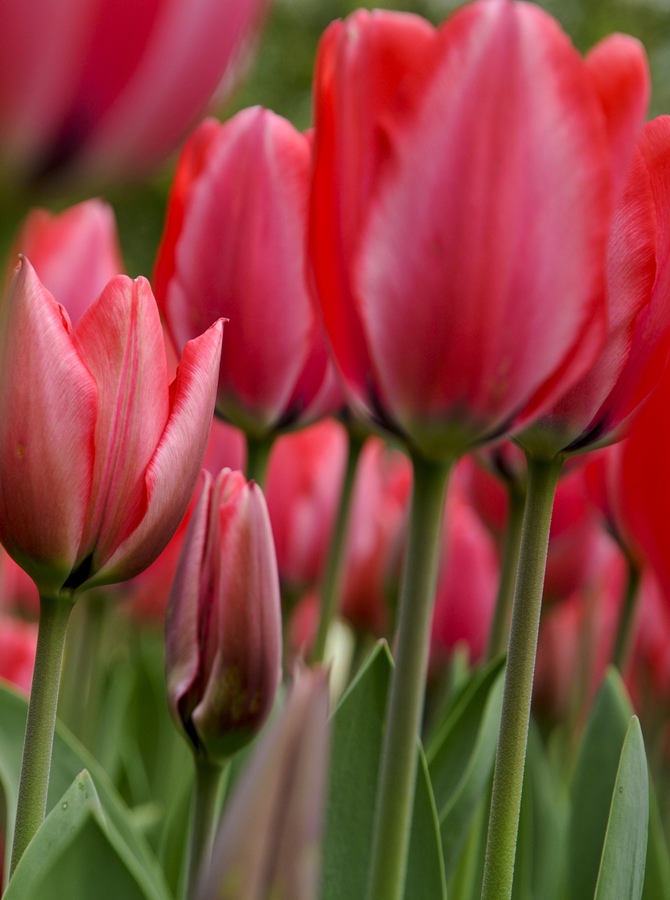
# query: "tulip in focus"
[223,657]
[269,842]
[99,454]
[235,246]
[458,253]
[100,90]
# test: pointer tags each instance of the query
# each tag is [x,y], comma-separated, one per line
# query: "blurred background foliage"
[279,76]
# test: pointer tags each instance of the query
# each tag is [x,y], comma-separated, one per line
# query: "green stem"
[258,454]
[510,562]
[204,819]
[36,763]
[395,789]
[513,736]
[624,635]
[332,580]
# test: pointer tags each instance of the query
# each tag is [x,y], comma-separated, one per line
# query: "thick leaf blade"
[68,759]
[625,849]
[591,793]
[77,854]
[357,731]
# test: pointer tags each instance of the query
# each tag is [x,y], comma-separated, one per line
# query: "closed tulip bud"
[269,841]
[99,454]
[223,659]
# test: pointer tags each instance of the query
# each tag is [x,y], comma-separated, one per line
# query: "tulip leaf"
[593,782]
[461,757]
[624,854]
[357,730]
[657,871]
[77,853]
[68,759]
[542,827]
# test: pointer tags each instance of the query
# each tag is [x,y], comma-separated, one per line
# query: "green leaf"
[77,854]
[625,850]
[591,793]
[657,872]
[461,758]
[358,726]
[68,759]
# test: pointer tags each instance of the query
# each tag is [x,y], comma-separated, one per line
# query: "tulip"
[106,90]
[269,842]
[458,253]
[459,258]
[99,454]
[235,245]
[75,253]
[223,658]
[17,651]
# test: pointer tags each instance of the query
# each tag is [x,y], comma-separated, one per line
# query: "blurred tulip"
[17,651]
[599,409]
[234,246]
[98,454]
[74,253]
[304,481]
[223,656]
[467,582]
[269,842]
[106,89]
[458,253]
[379,512]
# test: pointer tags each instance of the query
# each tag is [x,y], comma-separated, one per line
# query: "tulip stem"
[395,789]
[204,820]
[331,587]
[625,626]
[522,648]
[258,454]
[41,722]
[510,562]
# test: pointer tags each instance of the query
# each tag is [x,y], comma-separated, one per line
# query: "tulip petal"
[74,253]
[121,341]
[173,470]
[188,49]
[501,301]
[48,405]
[182,629]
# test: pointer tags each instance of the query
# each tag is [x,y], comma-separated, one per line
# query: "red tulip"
[98,453]
[108,89]
[234,246]
[223,630]
[599,409]
[458,250]
[18,641]
[74,253]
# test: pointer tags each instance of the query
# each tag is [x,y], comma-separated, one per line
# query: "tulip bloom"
[98,453]
[600,408]
[107,90]
[75,253]
[223,630]
[458,251]
[235,246]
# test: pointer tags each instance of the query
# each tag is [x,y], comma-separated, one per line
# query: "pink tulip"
[223,659]
[107,89]
[99,455]
[599,409]
[305,474]
[235,246]
[74,253]
[458,249]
